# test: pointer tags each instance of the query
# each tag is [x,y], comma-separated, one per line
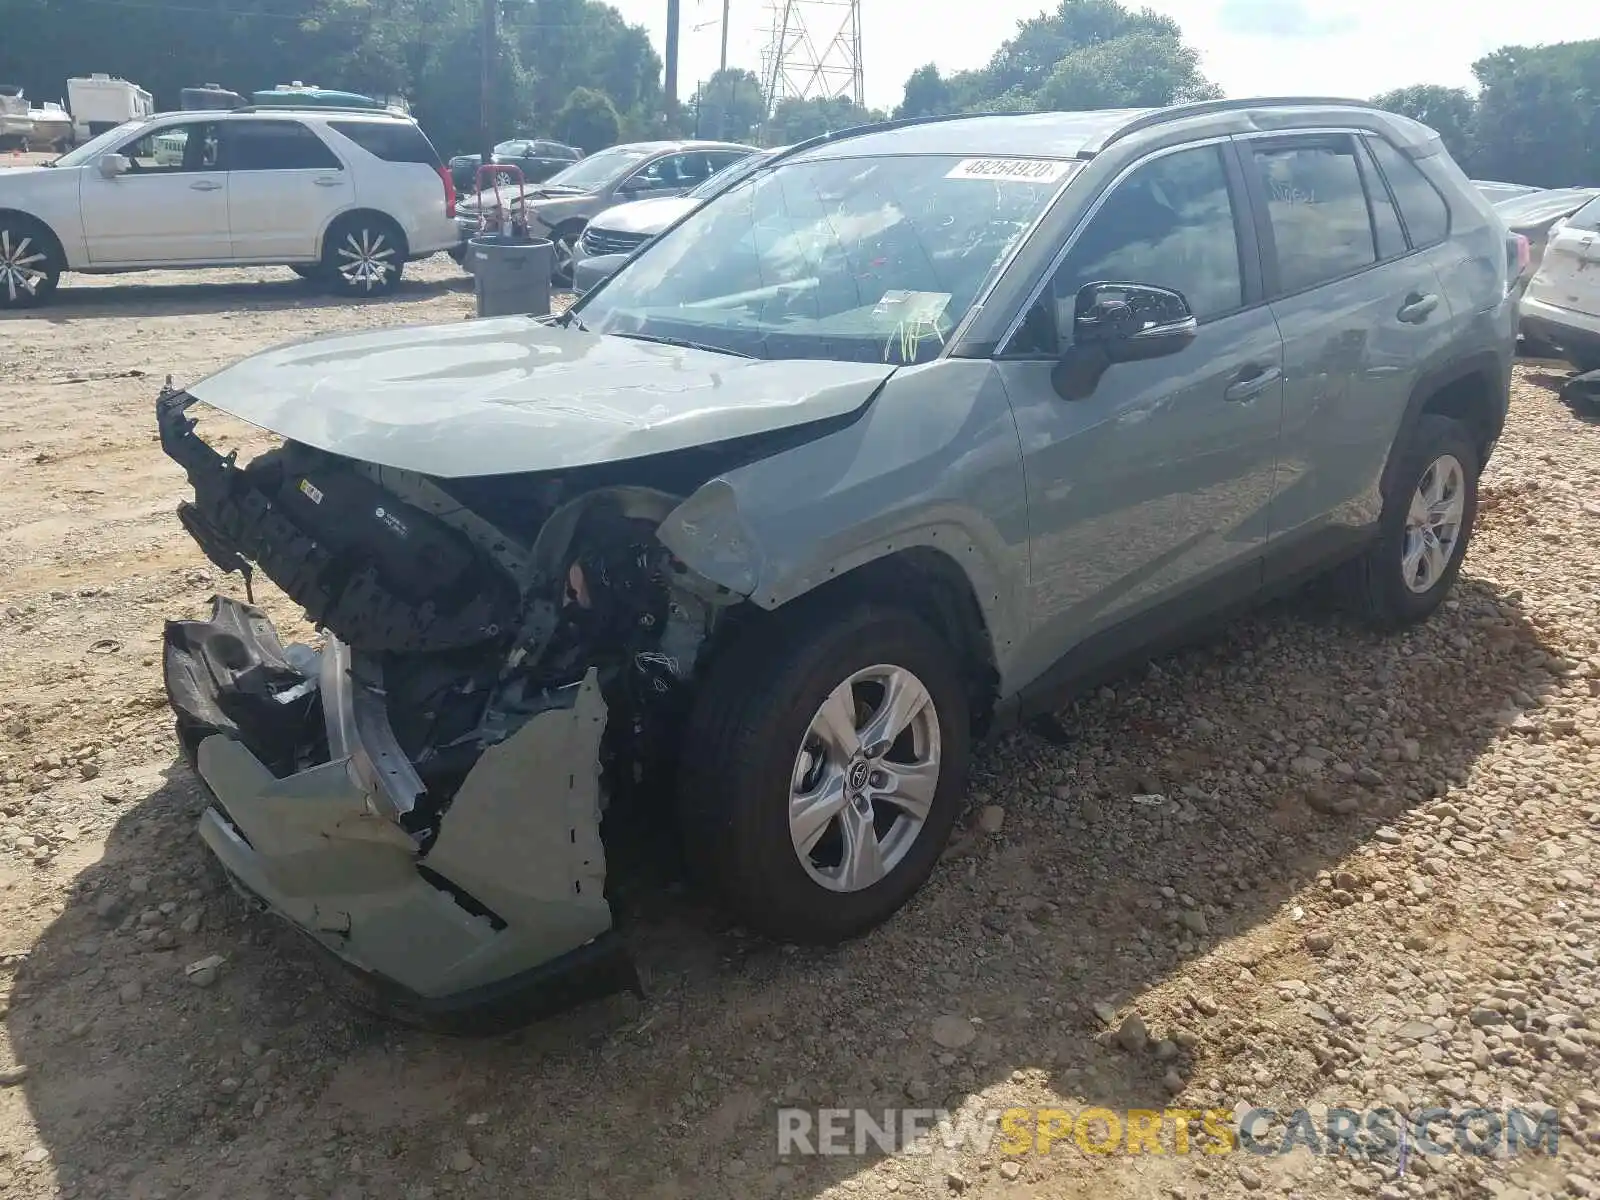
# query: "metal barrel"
[511,276]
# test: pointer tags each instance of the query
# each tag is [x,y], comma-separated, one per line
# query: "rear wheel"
[1428,514]
[364,255]
[824,765]
[30,263]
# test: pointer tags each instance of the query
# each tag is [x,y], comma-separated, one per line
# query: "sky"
[1354,48]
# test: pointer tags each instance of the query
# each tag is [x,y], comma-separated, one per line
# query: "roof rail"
[1177,112]
[288,106]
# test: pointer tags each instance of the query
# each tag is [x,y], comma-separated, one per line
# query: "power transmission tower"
[815,52]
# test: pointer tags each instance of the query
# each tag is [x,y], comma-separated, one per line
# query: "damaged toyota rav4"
[899,440]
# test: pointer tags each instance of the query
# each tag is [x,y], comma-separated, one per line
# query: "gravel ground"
[1299,867]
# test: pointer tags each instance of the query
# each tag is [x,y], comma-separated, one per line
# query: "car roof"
[287,112]
[686,144]
[1085,134]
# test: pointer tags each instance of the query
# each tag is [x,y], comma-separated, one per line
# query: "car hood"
[512,395]
[645,216]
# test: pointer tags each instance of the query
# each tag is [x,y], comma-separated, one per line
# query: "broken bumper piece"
[499,919]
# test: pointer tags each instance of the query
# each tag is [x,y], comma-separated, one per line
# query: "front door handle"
[206,185]
[326,182]
[1417,308]
[1252,381]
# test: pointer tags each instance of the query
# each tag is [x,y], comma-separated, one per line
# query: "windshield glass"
[1587,217]
[864,259]
[106,140]
[599,169]
[728,176]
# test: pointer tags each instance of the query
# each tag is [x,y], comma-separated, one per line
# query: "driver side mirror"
[112,165]
[1117,323]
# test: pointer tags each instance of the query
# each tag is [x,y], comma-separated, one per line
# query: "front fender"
[934,462]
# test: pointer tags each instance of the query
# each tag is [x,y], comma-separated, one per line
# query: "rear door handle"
[326,182]
[206,185]
[1417,308]
[1252,382]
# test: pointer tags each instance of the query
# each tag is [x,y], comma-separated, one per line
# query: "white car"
[339,195]
[1562,303]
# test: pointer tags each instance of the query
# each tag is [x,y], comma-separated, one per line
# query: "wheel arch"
[1474,390]
[57,245]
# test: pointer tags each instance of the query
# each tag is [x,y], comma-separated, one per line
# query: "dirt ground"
[1322,868]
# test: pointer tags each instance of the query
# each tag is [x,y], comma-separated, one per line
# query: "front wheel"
[30,265]
[824,765]
[364,256]
[1428,514]
[565,240]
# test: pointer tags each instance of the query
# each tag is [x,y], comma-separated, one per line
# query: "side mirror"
[1117,323]
[112,165]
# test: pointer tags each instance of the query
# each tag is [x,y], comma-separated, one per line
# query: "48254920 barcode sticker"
[1011,170]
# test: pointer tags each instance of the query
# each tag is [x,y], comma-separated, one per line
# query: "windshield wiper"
[683,344]
[569,320]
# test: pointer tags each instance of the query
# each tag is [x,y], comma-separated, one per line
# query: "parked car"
[1534,214]
[342,197]
[904,438]
[560,207]
[609,238]
[464,172]
[536,158]
[1496,192]
[1561,306]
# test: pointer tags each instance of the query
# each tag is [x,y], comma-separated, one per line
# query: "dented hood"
[511,395]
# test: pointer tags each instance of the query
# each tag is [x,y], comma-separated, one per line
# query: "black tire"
[363,255]
[740,749]
[1376,584]
[30,263]
[565,238]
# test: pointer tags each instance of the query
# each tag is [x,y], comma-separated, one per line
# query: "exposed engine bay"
[475,604]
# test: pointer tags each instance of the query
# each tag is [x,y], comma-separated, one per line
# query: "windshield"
[594,172]
[864,259]
[106,140]
[1587,217]
[728,176]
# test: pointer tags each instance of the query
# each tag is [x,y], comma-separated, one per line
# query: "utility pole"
[727,88]
[486,115]
[672,60]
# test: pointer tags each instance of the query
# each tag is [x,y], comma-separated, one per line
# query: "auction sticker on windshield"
[1011,170]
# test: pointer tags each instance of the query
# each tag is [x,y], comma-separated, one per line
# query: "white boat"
[52,125]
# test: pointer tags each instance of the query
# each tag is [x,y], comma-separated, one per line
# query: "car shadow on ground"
[264,1084]
[99,300]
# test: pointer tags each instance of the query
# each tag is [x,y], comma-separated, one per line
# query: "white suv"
[1562,303]
[342,196]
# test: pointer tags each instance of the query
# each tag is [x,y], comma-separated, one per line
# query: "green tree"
[588,119]
[926,94]
[797,120]
[1136,70]
[1449,112]
[728,106]
[1538,114]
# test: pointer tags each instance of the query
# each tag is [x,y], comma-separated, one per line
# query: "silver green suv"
[902,439]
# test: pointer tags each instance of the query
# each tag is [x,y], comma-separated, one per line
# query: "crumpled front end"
[505,661]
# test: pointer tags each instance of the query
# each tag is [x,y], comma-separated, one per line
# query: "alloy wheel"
[1433,523]
[367,257]
[864,778]
[24,266]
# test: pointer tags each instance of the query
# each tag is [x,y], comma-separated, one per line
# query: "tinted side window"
[275,146]
[1426,215]
[390,141]
[1318,210]
[1385,219]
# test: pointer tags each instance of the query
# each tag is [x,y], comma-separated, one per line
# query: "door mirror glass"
[112,165]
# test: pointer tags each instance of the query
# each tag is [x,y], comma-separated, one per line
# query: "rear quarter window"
[1422,208]
[394,142]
